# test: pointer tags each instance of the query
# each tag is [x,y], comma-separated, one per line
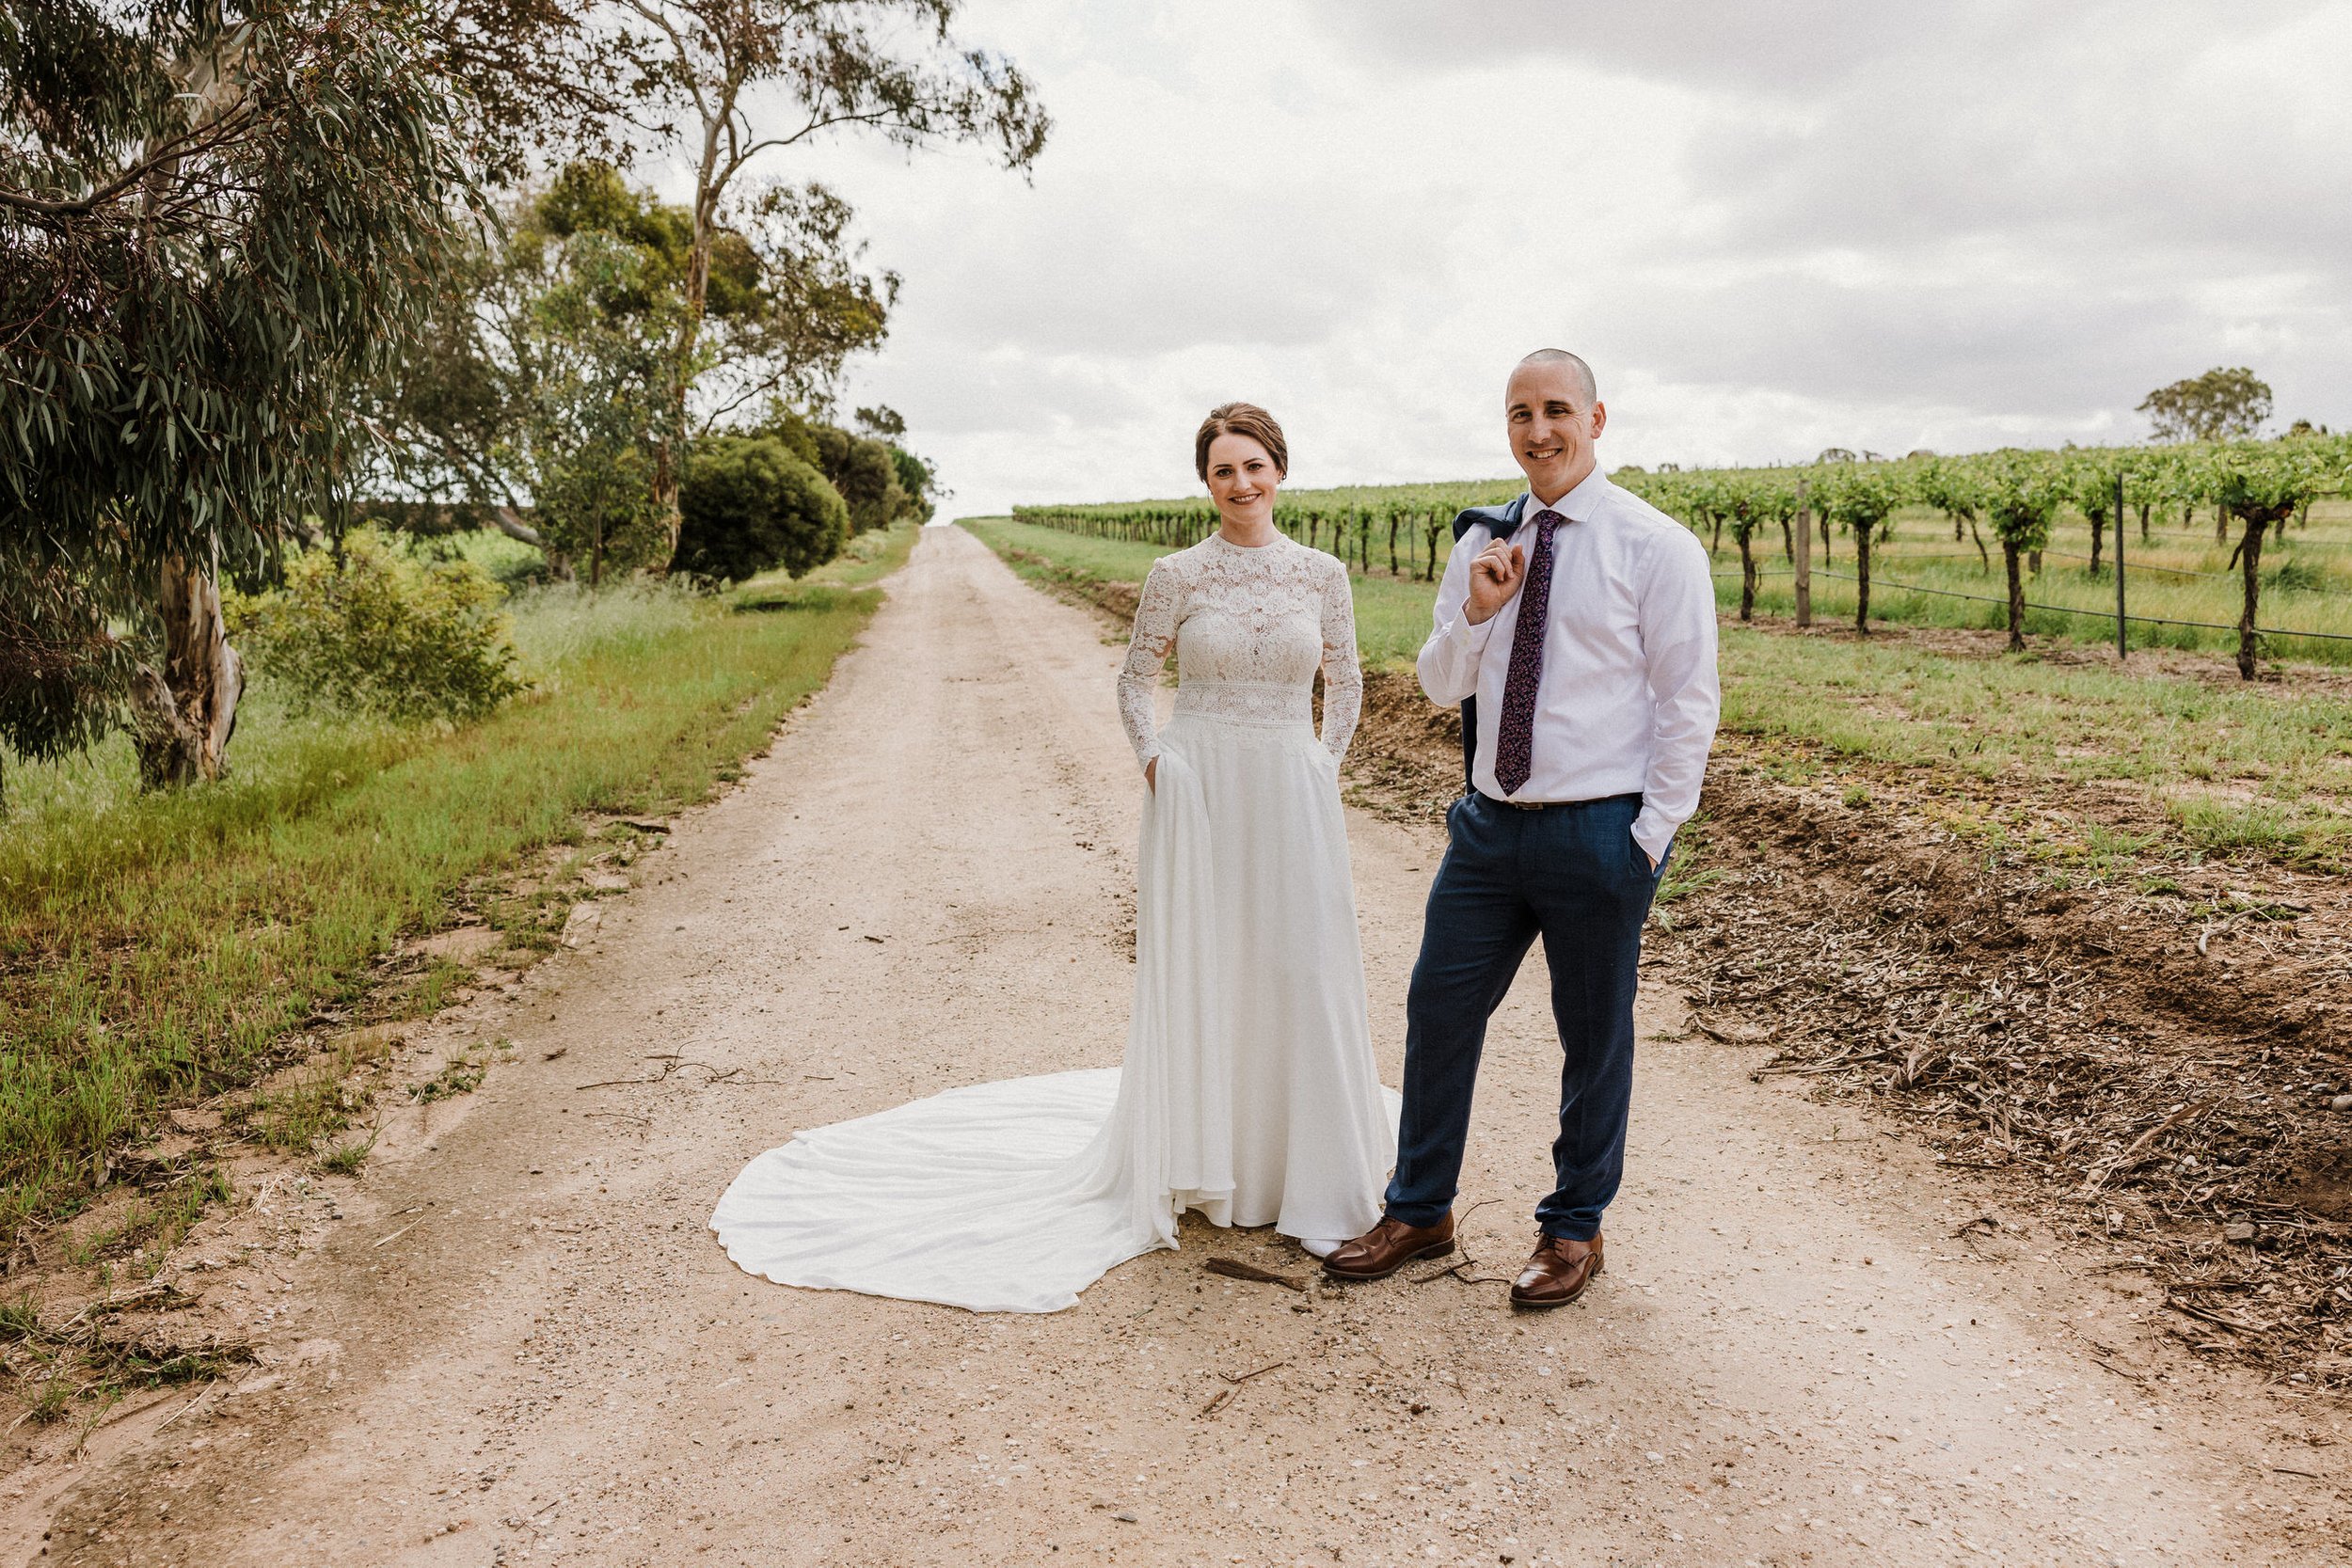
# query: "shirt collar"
[1577,505]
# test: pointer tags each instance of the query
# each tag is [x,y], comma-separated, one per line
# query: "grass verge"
[156,949]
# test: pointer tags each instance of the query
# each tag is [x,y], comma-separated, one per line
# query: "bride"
[1247,1091]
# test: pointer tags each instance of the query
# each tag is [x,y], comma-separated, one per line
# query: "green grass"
[157,948]
[2236,769]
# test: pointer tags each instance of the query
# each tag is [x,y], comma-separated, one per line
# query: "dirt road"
[514,1339]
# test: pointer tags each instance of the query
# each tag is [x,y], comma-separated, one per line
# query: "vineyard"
[2245,546]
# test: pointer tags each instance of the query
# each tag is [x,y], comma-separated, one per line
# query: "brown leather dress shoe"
[1557,1273]
[1387,1247]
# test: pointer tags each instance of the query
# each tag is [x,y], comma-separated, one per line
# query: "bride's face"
[1242,479]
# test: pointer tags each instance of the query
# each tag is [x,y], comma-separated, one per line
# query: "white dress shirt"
[1629,698]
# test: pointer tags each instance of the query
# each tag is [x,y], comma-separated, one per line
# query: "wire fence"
[2070,610]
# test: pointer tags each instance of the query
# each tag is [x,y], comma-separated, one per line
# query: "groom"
[1581,620]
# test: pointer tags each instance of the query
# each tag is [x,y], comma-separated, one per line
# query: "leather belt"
[1555,805]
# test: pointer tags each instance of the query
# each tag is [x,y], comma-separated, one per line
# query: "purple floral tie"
[1515,737]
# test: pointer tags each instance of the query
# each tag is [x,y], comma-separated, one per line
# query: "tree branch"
[196,138]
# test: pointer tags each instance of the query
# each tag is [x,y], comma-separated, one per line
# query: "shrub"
[748,505]
[381,633]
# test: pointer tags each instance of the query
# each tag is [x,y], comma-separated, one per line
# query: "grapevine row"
[2258,487]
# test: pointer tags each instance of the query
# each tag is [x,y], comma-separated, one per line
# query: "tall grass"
[158,947]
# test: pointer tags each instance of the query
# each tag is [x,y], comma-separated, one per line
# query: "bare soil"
[512,1338]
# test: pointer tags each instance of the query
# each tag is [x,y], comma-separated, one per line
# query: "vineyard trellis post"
[1805,558]
[2122,639]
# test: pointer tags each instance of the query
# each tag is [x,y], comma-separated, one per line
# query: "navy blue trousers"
[1573,875]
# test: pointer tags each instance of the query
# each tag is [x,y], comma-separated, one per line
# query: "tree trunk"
[1826,556]
[1787,544]
[2144,508]
[1862,580]
[2016,599]
[2098,537]
[184,713]
[669,451]
[2220,524]
[1392,522]
[1717,544]
[1983,559]
[2033,561]
[2250,559]
[1747,575]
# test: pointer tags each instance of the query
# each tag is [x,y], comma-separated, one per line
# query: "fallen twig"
[1233,1268]
[678,1064]
[396,1235]
[2107,1172]
[1224,1395]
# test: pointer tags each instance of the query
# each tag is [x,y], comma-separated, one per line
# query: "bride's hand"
[1152,775]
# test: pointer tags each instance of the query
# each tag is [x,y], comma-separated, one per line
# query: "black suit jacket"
[1502,522]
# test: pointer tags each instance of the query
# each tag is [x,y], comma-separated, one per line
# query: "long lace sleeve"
[1342,678]
[1154,639]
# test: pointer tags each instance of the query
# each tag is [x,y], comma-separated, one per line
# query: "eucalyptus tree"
[1862,498]
[711,72]
[2022,493]
[215,220]
[2223,404]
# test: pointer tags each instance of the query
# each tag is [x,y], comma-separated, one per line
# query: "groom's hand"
[1494,577]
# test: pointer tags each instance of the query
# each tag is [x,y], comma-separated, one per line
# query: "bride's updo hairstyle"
[1241,419]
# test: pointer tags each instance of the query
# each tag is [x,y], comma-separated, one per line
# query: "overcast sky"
[1771,229]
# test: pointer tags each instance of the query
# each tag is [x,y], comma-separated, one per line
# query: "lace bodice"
[1249,629]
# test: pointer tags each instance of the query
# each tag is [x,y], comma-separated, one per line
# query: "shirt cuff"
[1654,833]
[1470,637]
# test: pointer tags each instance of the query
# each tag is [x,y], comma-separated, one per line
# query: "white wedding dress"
[1247,1091]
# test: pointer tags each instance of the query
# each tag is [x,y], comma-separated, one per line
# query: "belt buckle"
[1526,806]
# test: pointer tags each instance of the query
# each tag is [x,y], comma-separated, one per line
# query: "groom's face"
[1552,427]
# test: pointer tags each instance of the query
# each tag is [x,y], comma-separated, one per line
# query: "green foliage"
[917,479]
[381,632]
[221,220]
[2023,492]
[2219,405]
[130,983]
[550,380]
[749,506]
[1861,498]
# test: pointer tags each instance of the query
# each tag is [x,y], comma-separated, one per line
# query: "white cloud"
[1773,229]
